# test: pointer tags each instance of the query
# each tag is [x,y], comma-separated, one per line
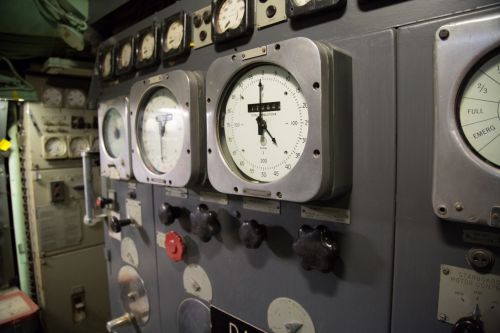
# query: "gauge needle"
[264,127]
[260,120]
[162,121]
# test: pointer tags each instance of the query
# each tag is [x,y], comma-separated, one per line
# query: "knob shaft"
[252,234]
[121,321]
[316,248]
[204,223]
[168,213]
[468,325]
[102,202]
[116,224]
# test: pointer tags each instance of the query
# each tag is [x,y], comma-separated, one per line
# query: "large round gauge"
[52,97]
[264,123]
[75,99]
[55,147]
[479,110]
[230,15]
[77,145]
[160,130]
[114,133]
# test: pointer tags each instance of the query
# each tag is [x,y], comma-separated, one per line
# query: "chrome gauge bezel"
[115,167]
[458,171]
[187,88]
[314,175]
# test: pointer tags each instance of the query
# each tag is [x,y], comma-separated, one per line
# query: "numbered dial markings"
[264,123]
[147,48]
[55,147]
[479,111]
[114,133]
[125,55]
[160,131]
[173,37]
[230,15]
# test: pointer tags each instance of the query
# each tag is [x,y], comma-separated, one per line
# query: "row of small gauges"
[272,131]
[57,147]
[69,98]
[231,19]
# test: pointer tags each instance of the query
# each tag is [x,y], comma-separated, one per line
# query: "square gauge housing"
[323,167]
[54,147]
[466,178]
[187,163]
[244,28]
[124,56]
[146,47]
[114,142]
[106,62]
[298,8]
[183,41]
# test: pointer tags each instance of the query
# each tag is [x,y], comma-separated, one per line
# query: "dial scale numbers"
[166,121]
[125,55]
[269,129]
[114,129]
[176,36]
[232,19]
[146,48]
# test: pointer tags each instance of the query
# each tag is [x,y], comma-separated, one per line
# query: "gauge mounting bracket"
[466,188]
[187,88]
[115,167]
[124,70]
[185,46]
[324,168]
[245,28]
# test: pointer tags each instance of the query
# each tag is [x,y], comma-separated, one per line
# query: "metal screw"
[442,317]
[444,34]
[446,271]
[263,50]
[243,55]
[458,206]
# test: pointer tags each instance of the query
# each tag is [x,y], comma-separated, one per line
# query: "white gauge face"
[75,98]
[160,131]
[55,147]
[264,123]
[147,46]
[126,55]
[300,3]
[479,111]
[78,145]
[52,97]
[106,65]
[285,315]
[230,15]
[114,133]
[173,37]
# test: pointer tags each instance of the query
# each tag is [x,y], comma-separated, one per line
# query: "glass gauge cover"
[106,63]
[124,53]
[52,97]
[301,2]
[114,133]
[55,147]
[146,47]
[231,19]
[176,36]
[75,99]
[78,145]
[296,8]
[479,110]
[160,130]
[264,123]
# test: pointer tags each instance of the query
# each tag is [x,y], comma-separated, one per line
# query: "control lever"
[316,248]
[116,224]
[168,213]
[252,234]
[102,202]
[90,217]
[472,324]
[118,322]
[204,223]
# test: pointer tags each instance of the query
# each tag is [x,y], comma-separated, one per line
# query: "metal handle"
[121,321]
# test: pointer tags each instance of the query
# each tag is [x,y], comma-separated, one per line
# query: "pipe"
[18,211]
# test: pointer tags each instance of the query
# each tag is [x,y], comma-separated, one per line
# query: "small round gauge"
[285,315]
[52,97]
[114,133]
[125,55]
[75,98]
[160,130]
[478,110]
[147,46]
[173,37]
[106,64]
[300,3]
[55,147]
[230,15]
[78,145]
[263,123]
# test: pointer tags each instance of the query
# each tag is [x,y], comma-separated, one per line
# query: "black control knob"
[316,248]
[102,202]
[116,224]
[252,234]
[168,213]
[468,325]
[204,223]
